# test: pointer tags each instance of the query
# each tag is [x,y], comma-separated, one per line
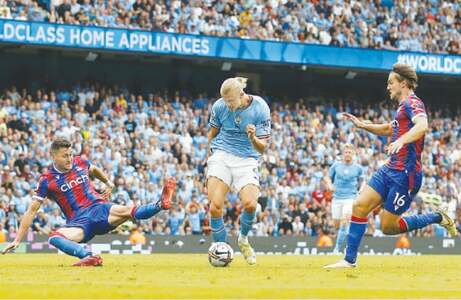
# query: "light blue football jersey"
[232,136]
[345,178]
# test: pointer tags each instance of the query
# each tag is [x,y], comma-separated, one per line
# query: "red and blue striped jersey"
[72,191]
[409,157]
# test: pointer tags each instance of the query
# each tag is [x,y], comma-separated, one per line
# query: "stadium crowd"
[428,25]
[140,139]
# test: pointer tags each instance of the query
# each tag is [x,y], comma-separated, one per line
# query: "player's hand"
[10,247]
[251,131]
[108,190]
[354,119]
[395,147]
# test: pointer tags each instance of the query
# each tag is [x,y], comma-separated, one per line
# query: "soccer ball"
[220,254]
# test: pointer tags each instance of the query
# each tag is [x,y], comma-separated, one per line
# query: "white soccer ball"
[220,254]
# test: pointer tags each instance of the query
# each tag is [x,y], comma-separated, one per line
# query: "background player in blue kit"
[395,184]
[240,127]
[346,177]
[88,213]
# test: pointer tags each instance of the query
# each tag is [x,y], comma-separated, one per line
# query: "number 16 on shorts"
[399,201]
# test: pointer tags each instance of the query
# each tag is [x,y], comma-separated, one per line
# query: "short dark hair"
[60,143]
[406,73]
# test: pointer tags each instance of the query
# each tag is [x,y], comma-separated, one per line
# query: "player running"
[240,128]
[346,177]
[88,213]
[395,184]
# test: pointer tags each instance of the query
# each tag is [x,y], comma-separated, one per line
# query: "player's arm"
[260,133]
[98,173]
[420,128]
[331,178]
[212,133]
[215,125]
[260,144]
[26,221]
[378,129]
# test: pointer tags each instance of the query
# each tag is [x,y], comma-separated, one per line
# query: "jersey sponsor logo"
[74,182]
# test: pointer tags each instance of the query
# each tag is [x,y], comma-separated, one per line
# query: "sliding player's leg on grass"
[100,219]
[249,196]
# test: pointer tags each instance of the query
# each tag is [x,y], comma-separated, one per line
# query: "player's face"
[63,159]
[394,87]
[233,100]
[348,155]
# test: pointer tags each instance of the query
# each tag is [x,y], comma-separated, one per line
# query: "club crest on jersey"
[238,120]
[395,124]
[73,183]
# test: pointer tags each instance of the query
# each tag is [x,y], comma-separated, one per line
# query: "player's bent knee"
[216,210]
[70,233]
[55,234]
[359,209]
[250,206]
[390,229]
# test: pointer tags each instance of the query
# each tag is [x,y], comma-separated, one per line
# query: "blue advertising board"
[150,42]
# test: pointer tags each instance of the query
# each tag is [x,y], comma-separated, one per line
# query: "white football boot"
[342,264]
[248,252]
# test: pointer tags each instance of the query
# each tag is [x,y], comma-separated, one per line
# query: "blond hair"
[349,146]
[237,84]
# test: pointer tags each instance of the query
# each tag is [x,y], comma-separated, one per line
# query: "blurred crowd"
[141,139]
[426,25]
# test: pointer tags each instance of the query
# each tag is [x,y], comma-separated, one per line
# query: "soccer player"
[240,129]
[395,184]
[346,177]
[88,213]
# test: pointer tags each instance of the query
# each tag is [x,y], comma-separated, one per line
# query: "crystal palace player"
[395,184]
[88,213]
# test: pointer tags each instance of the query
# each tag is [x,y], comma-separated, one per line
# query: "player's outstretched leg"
[149,210]
[249,196]
[410,223]
[59,240]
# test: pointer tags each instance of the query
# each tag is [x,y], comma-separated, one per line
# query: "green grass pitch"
[190,276]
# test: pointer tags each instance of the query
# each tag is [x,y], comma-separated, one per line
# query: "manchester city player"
[346,177]
[240,126]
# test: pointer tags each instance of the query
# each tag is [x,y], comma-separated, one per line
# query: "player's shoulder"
[47,174]
[259,101]
[219,104]
[413,100]
[80,161]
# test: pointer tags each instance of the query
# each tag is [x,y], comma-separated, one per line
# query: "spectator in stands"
[369,24]
[171,140]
